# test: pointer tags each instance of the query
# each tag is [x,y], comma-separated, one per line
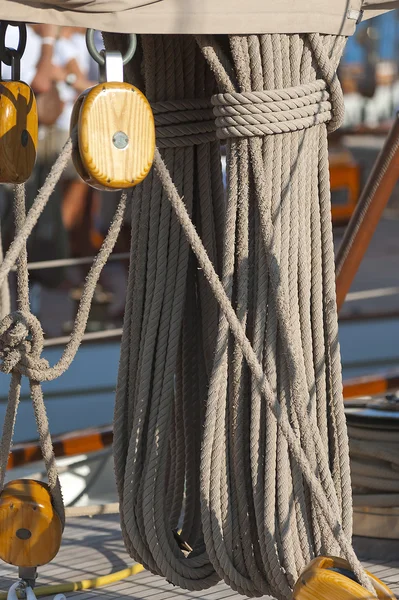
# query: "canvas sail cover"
[199,16]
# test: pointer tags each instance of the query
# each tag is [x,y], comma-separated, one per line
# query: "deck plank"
[94,547]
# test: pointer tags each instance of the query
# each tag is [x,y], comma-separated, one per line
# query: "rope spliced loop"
[229,421]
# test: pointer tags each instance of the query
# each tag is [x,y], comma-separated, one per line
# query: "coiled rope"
[230,423]
[173,317]
[229,415]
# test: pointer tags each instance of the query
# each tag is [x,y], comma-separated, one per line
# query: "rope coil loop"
[231,421]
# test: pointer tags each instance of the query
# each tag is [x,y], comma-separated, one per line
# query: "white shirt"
[65,50]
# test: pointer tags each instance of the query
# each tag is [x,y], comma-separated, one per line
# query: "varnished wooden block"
[116,136]
[18,131]
[76,155]
[30,529]
[331,578]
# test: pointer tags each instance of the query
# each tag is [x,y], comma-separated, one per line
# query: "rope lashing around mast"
[229,415]
[265,113]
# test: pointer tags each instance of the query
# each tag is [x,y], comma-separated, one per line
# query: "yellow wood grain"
[318,582]
[76,156]
[107,109]
[30,530]
[18,131]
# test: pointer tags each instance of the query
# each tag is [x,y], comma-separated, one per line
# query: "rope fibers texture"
[169,338]
[229,419]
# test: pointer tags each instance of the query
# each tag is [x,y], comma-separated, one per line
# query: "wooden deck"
[93,547]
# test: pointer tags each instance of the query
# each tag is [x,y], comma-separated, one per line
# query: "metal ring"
[99,58]
[5,55]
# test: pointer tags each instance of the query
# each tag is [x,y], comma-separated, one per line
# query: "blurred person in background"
[71,65]
[58,67]
[52,54]
[49,238]
[88,221]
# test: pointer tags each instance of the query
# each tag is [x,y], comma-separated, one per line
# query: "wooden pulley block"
[18,118]
[30,529]
[113,131]
[115,142]
[331,578]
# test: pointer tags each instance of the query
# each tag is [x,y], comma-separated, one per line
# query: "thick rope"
[241,411]
[319,495]
[182,123]
[249,114]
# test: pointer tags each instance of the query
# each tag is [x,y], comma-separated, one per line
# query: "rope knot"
[181,123]
[21,343]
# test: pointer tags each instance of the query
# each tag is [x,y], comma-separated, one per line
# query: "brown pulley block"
[113,131]
[18,117]
[30,529]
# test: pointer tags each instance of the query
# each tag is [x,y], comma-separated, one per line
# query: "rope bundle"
[172,316]
[183,123]
[230,426]
[229,419]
